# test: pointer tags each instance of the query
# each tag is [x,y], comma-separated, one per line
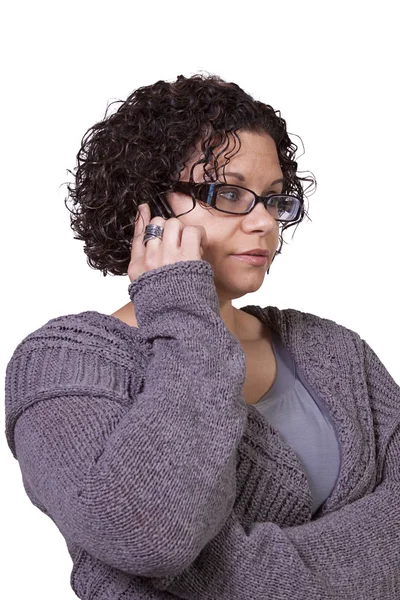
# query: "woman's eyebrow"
[241,178]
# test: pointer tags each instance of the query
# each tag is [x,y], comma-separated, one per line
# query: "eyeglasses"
[234,199]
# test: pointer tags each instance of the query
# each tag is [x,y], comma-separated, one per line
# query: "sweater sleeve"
[352,553]
[135,480]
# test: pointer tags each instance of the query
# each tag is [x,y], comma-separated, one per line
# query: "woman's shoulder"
[297,322]
[90,331]
[83,354]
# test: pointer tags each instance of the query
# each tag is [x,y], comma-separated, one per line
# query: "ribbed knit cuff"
[185,286]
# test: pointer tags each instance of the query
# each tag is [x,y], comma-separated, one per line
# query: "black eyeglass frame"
[207,192]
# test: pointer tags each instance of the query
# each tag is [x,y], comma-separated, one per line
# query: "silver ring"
[152,232]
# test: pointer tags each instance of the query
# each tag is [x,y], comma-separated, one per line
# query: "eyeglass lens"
[238,200]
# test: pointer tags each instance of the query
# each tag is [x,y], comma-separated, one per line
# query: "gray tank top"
[297,412]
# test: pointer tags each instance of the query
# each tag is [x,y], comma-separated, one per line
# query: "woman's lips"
[252,259]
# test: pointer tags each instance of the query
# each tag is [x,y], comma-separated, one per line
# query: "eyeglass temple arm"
[185,186]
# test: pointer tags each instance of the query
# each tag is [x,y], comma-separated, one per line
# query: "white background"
[332,71]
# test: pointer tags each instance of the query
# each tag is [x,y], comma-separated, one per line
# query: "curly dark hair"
[136,155]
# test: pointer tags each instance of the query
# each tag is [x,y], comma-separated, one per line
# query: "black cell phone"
[160,208]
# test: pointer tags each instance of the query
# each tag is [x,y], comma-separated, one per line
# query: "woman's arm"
[135,479]
[351,554]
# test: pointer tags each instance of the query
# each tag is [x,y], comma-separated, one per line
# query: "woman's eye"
[229,194]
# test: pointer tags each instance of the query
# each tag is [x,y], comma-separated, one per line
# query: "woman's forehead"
[255,149]
[256,153]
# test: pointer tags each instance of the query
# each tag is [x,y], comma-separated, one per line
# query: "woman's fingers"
[180,242]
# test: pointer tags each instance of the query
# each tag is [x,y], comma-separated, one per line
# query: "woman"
[184,448]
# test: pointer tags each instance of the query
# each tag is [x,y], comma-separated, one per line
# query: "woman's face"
[257,161]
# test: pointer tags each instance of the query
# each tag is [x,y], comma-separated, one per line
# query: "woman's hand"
[180,242]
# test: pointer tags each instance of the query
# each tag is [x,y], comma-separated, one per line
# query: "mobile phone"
[159,207]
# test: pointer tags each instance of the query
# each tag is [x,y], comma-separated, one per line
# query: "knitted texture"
[139,445]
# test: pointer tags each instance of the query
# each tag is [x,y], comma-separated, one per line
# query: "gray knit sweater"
[138,444]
